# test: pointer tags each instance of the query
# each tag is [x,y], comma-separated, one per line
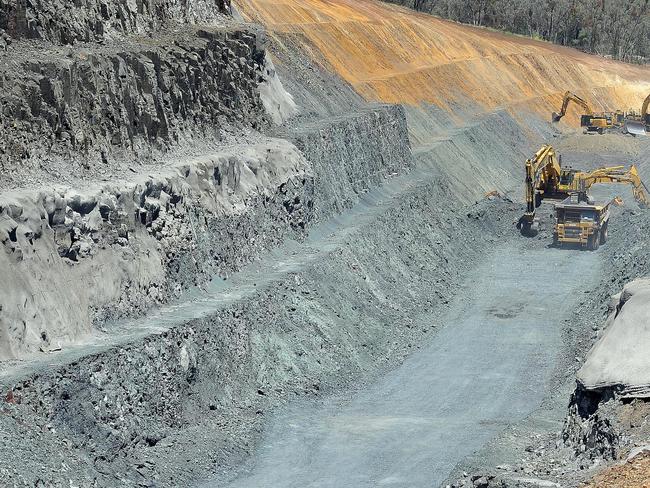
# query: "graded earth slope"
[391,54]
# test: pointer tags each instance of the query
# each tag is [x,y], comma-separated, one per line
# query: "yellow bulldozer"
[639,124]
[591,121]
[546,178]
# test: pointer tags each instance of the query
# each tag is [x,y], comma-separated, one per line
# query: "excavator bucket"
[636,127]
[556,117]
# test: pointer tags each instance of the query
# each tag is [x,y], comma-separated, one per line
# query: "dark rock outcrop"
[70,21]
[77,112]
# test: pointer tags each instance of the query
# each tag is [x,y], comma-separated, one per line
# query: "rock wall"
[78,258]
[69,21]
[354,152]
[93,112]
[74,258]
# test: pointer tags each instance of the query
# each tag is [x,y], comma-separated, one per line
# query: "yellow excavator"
[639,124]
[615,174]
[592,122]
[546,178]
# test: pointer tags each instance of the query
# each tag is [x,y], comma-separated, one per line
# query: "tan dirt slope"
[635,473]
[391,54]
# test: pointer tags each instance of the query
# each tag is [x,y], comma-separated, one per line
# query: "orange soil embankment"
[633,474]
[392,54]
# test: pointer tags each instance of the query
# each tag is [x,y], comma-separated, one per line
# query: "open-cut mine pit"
[275,244]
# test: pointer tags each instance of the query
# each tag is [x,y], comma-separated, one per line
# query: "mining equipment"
[546,178]
[639,124]
[591,121]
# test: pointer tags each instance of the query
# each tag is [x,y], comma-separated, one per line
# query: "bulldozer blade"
[635,127]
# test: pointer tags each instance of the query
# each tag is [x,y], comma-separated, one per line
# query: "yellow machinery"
[582,223]
[546,178]
[614,174]
[592,122]
[639,124]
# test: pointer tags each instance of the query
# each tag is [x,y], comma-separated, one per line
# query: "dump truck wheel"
[594,242]
[603,234]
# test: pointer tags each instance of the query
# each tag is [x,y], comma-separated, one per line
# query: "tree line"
[616,28]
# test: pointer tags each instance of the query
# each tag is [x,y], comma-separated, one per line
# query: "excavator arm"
[571,97]
[616,174]
[644,108]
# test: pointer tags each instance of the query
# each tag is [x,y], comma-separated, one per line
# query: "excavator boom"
[544,178]
[571,97]
[617,174]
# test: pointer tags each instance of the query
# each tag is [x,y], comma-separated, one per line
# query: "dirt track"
[488,367]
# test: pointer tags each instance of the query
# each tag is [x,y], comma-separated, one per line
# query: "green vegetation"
[616,28]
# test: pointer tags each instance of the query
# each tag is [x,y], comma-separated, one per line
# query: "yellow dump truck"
[581,222]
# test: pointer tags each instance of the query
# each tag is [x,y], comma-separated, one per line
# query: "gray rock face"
[78,113]
[67,21]
[74,258]
[620,360]
[118,249]
[353,152]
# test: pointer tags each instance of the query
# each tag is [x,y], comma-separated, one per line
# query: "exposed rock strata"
[71,258]
[67,22]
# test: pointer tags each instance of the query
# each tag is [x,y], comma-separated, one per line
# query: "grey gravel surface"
[487,367]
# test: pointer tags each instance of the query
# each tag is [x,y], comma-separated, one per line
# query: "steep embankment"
[332,240]
[391,54]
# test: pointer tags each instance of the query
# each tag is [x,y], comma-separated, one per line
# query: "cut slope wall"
[91,113]
[352,153]
[74,258]
[391,54]
[68,21]
[77,258]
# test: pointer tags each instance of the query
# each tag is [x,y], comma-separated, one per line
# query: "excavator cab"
[567,176]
